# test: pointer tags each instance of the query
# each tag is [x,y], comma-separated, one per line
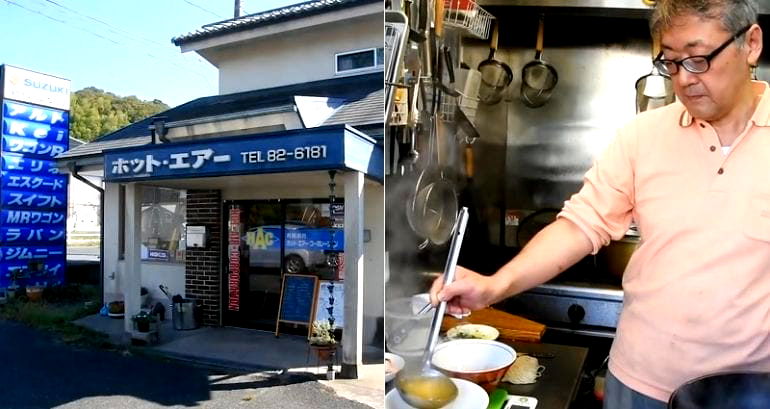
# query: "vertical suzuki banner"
[33,194]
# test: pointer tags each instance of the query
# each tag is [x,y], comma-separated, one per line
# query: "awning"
[336,147]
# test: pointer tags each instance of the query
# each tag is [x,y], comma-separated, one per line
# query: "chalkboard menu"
[298,297]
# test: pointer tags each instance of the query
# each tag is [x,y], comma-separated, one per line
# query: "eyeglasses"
[697,64]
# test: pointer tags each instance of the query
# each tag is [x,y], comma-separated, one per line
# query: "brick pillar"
[203,275]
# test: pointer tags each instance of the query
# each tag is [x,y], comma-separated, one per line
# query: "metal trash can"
[186,314]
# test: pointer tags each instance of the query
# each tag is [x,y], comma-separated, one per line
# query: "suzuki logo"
[44,86]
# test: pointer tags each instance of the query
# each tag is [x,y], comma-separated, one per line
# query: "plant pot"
[34,294]
[116,309]
[142,326]
[324,352]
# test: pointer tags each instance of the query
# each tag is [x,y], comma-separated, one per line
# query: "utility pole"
[239,7]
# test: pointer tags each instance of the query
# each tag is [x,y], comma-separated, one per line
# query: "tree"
[95,112]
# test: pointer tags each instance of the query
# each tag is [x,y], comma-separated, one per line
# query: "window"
[360,60]
[163,224]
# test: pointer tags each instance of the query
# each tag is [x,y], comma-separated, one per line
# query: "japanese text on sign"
[24,217]
[196,159]
[185,160]
[13,253]
[33,194]
[19,164]
[38,183]
[234,260]
[11,235]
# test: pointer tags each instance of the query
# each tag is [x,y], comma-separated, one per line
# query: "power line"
[104,23]
[113,28]
[206,10]
[187,68]
[58,21]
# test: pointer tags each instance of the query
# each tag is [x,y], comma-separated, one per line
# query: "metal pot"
[614,257]
[611,258]
[747,390]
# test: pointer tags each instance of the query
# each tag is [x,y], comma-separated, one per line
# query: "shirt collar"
[761,115]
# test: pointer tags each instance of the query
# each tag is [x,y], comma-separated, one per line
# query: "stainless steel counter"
[557,388]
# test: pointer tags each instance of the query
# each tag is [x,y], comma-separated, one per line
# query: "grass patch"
[60,306]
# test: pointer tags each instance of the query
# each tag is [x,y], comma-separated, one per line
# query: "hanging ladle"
[425,387]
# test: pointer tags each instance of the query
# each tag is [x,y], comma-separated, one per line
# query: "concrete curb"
[209,363]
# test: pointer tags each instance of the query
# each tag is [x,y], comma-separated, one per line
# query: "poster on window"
[331,302]
[338,215]
[234,259]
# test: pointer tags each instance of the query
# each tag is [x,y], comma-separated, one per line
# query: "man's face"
[710,95]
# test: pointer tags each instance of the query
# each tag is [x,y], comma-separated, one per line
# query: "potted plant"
[35,293]
[142,321]
[322,339]
[116,309]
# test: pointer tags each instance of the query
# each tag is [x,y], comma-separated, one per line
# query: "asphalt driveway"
[36,371]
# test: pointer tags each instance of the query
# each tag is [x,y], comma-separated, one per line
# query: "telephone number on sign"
[282,155]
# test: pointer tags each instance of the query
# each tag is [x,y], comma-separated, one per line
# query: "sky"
[120,46]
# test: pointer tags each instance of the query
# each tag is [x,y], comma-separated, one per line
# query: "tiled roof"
[363,95]
[268,17]
[367,110]
[96,148]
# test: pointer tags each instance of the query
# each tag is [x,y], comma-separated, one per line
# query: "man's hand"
[469,291]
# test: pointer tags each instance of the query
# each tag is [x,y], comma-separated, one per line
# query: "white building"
[245,176]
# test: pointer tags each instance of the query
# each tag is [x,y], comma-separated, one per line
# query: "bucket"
[186,314]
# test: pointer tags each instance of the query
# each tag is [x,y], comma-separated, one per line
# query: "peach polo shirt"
[697,289]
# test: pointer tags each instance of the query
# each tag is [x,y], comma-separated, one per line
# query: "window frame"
[174,260]
[376,64]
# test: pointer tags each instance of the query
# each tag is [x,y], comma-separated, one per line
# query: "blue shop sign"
[48,272]
[56,183]
[28,235]
[18,164]
[41,132]
[32,148]
[332,147]
[35,218]
[19,199]
[29,253]
[35,113]
[33,194]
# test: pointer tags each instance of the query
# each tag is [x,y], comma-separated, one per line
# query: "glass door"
[266,239]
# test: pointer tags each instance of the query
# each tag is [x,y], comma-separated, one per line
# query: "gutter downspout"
[74,172]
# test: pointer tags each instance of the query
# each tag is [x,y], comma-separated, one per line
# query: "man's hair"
[733,14]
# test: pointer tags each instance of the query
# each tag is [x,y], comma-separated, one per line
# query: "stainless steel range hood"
[764,6]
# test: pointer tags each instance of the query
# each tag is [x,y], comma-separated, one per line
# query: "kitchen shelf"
[467,15]
[764,7]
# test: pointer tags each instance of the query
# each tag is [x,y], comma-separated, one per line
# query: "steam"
[400,240]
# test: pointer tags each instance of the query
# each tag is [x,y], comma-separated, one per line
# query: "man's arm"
[554,249]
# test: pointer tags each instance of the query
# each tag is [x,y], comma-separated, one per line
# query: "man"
[695,177]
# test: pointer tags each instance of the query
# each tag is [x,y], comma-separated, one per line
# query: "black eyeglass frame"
[660,62]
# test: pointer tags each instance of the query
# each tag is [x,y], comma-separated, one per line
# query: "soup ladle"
[423,386]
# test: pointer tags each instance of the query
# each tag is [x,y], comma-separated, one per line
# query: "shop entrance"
[265,240]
